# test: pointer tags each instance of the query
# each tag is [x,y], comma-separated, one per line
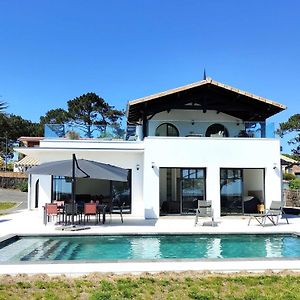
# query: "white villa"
[205,140]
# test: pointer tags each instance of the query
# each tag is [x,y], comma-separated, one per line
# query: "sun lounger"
[204,209]
[272,214]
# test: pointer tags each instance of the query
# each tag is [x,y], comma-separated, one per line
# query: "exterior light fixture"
[193,122]
[152,165]
[137,166]
[274,166]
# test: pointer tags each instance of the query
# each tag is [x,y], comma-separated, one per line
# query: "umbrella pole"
[73,187]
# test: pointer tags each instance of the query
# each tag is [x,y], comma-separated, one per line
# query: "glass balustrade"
[81,131]
[184,128]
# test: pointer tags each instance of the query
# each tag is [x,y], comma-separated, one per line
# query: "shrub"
[23,186]
[288,176]
[10,167]
[73,135]
[294,184]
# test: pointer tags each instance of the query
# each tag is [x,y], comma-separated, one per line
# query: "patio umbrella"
[80,168]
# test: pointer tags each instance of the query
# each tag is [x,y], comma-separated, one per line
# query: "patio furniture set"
[66,213]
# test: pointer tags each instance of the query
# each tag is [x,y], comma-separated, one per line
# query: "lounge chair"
[204,209]
[273,213]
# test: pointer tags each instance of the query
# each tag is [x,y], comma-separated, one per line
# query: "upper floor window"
[166,129]
[216,129]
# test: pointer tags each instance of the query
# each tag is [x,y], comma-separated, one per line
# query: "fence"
[12,180]
[291,198]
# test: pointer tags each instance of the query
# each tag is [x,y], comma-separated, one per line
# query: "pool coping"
[78,268]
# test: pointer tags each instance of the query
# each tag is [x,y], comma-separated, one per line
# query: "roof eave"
[137,102]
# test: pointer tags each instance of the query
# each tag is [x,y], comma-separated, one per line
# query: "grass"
[198,286]
[6,205]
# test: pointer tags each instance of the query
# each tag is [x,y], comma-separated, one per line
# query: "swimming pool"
[147,247]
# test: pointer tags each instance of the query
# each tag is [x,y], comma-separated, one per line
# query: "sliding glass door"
[192,189]
[241,190]
[180,188]
[231,185]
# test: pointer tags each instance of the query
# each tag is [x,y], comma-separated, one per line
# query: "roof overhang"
[27,161]
[30,138]
[287,161]
[205,95]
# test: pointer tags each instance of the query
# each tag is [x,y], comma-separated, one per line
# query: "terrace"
[183,128]
[33,220]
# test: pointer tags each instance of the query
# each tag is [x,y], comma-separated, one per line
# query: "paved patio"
[31,222]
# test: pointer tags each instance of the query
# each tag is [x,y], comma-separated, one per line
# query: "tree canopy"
[3,106]
[55,116]
[89,112]
[11,128]
[292,126]
[55,120]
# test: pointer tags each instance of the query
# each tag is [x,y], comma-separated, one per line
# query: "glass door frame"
[171,202]
[180,186]
[243,188]
[241,191]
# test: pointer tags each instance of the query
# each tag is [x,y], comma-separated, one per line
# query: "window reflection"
[166,129]
[61,188]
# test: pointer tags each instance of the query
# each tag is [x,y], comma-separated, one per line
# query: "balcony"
[79,131]
[213,129]
[162,128]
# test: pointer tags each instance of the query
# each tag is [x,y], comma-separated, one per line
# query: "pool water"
[153,247]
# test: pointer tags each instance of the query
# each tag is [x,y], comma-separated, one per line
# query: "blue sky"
[52,51]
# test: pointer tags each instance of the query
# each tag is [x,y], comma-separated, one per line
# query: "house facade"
[206,140]
[23,164]
[290,166]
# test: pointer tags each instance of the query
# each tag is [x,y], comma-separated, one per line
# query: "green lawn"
[199,286]
[6,205]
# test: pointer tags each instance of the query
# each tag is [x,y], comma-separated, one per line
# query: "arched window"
[166,129]
[216,129]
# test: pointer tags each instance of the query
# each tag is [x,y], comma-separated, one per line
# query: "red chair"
[60,207]
[51,211]
[90,209]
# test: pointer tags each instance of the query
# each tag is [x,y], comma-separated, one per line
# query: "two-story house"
[205,140]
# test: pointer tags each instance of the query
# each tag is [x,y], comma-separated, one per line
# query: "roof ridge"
[208,80]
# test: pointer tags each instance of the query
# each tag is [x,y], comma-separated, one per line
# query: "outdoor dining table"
[101,209]
[64,213]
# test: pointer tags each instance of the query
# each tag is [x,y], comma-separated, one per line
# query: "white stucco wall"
[44,191]
[122,154]
[212,154]
[167,152]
